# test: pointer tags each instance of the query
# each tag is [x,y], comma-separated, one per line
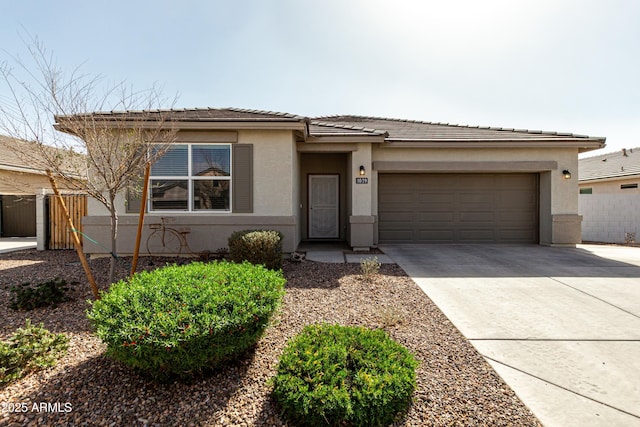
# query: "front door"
[324,213]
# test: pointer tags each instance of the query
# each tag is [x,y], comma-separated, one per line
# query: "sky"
[553,65]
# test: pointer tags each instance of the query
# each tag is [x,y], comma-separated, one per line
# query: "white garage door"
[458,208]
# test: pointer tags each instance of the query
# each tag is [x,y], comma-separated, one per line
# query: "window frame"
[190,178]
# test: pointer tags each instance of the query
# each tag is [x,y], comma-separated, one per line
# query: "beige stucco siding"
[612,186]
[21,183]
[275,190]
[273,175]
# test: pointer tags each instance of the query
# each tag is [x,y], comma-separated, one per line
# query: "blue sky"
[559,65]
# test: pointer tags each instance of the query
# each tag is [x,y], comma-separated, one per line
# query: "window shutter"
[242,180]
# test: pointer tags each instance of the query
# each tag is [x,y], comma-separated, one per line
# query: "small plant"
[390,317]
[258,247]
[30,349]
[182,321]
[27,297]
[337,375]
[370,267]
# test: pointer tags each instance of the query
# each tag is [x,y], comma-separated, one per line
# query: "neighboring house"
[23,181]
[609,196]
[362,180]
[20,181]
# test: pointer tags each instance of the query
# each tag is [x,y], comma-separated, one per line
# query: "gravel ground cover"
[455,386]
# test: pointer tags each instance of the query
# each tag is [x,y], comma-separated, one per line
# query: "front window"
[192,177]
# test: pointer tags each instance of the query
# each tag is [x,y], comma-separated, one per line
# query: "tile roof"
[25,157]
[402,132]
[400,129]
[203,114]
[621,163]
[10,158]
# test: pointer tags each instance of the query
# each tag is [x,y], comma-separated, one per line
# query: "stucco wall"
[20,183]
[612,186]
[275,195]
[608,217]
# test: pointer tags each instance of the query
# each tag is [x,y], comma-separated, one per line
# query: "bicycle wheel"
[167,243]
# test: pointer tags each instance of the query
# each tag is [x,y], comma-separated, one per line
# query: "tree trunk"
[114,236]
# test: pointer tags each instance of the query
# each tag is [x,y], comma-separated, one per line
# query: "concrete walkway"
[560,325]
[336,253]
[12,244]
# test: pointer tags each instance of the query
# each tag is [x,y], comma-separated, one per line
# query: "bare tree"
[95,137]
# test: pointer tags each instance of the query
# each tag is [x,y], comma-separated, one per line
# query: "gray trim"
[447,167]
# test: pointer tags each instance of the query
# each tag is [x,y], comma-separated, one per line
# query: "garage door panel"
[477,217]
[435,198]
[458,208]
[476,236]
[397,217]
[427,217]
[396,236]
[399,198]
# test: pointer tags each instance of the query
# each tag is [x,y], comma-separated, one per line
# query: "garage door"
[458,208]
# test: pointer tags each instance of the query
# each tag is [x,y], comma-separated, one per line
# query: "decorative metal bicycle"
[168,241]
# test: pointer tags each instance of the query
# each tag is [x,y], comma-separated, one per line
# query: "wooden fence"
[59,235]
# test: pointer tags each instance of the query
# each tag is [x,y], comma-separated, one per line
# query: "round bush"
[337,375]
[181,321]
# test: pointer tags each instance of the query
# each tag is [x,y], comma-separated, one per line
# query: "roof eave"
[344,138]
[583,145]
[608,178]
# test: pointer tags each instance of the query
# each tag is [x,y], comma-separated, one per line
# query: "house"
[610,173]
[19,183]
[363,180]
[23,188]
[609,196]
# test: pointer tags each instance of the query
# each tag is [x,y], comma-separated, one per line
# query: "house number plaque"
[362,180]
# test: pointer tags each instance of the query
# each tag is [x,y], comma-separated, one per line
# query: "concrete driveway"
[560,325]
[12,244]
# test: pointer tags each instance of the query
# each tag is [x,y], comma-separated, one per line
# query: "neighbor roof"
[9,158]
[625,162]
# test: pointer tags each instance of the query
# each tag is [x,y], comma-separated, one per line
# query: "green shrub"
[51,293]
[182,321]
[29,349]
[257,247]
[337,375]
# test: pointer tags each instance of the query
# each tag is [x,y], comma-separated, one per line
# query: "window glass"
[586,191]
[204,184]
[210,160]
[210,194]
[169,194]
[173,163]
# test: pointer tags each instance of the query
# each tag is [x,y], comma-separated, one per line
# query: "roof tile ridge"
[350,127]
[268,112]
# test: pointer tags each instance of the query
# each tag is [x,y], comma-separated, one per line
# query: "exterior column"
[361,220]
